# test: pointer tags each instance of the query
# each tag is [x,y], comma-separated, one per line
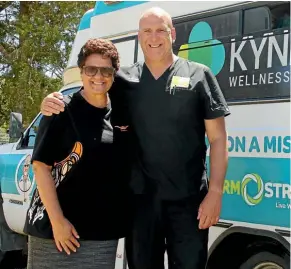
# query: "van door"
[18,181]
[18,184]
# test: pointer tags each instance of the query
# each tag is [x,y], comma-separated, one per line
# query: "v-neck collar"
[164,73]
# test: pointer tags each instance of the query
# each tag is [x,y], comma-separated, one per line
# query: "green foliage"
[35,42]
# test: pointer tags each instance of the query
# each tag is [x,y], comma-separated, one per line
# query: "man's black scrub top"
[166,117]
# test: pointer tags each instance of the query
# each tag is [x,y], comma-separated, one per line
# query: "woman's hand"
[65,236]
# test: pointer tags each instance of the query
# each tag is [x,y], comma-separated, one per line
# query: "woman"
[80,168]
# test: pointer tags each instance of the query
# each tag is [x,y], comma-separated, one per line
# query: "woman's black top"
[96,197]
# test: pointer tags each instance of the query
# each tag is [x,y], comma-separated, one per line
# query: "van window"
[256,19]
[29,140]
[140,55]
[280,16]
[223,25]
[125,45]
[273,16]
[33,131]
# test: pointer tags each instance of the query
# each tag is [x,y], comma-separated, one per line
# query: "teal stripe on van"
[102,8]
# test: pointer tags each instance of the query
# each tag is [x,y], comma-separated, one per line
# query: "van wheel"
[14,260]
[265,260]
[2,255]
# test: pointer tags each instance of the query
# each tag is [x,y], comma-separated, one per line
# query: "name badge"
[180,82]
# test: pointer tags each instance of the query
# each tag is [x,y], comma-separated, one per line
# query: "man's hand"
[209,209]
[52,104]
[65,236]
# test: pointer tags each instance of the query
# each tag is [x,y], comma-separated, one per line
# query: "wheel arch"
[247,237]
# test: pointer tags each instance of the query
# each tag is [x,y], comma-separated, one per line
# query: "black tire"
[14,260]
[266,258]
[2,255]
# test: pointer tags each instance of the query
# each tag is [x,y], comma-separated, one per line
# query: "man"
[171,103]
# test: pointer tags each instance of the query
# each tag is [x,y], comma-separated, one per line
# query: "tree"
[35,41]
[4,5]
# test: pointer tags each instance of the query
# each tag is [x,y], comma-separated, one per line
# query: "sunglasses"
[91,71]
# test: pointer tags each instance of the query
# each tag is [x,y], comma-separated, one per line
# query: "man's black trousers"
[170,226]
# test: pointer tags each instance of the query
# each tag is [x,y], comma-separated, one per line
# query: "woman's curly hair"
[99,46]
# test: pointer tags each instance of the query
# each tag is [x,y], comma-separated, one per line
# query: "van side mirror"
[15,126]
